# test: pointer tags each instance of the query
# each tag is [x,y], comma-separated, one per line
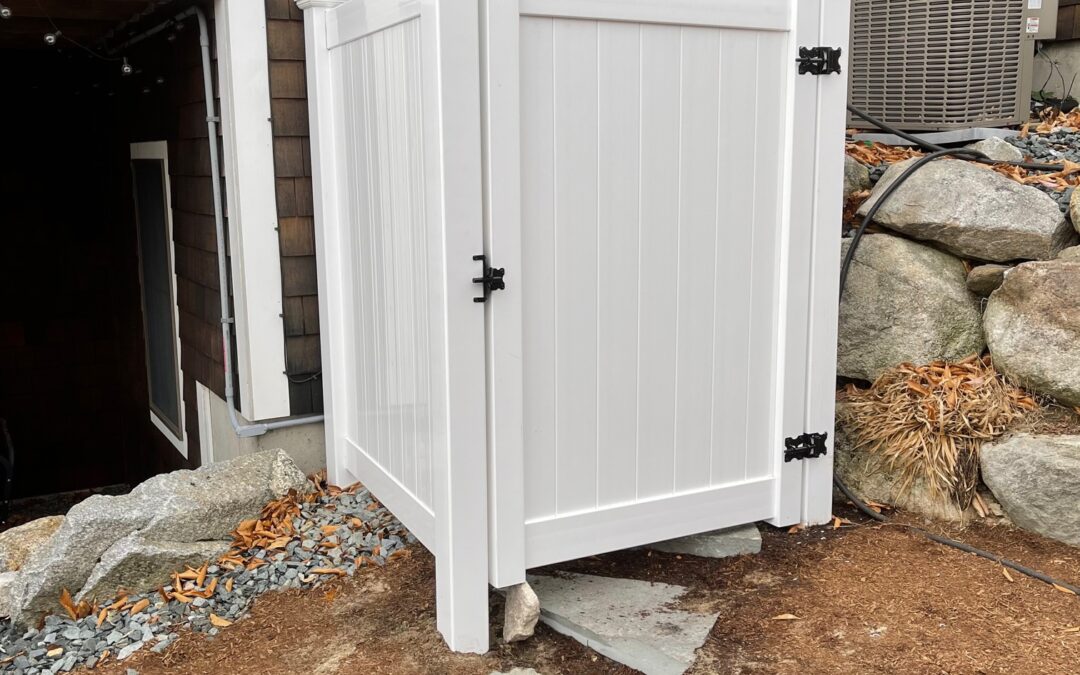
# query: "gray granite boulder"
[156,521]
[856,176]
[521,613]
[972,211]
[998,149]
[19,543]
[1037,481]
[1072,253]
[985,279]
[1032,326]
[904,302]
[138,565]
[1074,209]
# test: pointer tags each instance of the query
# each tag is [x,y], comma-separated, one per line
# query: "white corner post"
[328,243]
[451,92]
[833,26]
[244,87]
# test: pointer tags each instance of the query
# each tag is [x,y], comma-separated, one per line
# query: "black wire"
[1031,166]
[938,153]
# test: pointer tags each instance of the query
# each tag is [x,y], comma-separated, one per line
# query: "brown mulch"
[869,598]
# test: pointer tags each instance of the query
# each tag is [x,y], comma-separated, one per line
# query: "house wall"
[292,168]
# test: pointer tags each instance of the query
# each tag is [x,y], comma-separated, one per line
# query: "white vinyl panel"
[619,129]
[538,265]
[657,281]
[734,226]
[697,256]
[357,223]
[380,197]
[575,263]
[766,276]
[422,415]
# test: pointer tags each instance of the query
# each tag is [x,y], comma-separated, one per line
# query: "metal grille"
[937,64]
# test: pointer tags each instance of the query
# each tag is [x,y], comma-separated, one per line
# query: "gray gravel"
[63,644]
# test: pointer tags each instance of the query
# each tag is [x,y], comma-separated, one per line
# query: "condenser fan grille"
[939,63]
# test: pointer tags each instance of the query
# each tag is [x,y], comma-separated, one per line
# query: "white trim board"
[243,73]
[160,150]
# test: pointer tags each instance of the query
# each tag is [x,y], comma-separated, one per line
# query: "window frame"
[158,150]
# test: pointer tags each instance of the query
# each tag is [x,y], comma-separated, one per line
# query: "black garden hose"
[938,152]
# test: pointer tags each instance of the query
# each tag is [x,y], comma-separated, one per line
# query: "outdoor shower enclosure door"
[650,169]
[662,189]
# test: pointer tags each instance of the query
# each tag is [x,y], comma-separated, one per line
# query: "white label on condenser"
[1033,24]
[1034,4]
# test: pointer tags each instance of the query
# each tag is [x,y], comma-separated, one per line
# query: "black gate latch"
[492,279]
[807,446]
[818,60]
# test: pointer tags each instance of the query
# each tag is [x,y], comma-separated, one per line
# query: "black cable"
[938,153]
[927,145]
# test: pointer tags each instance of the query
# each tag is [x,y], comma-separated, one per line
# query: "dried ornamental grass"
[929,422]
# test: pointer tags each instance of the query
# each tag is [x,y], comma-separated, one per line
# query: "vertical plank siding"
[651,228]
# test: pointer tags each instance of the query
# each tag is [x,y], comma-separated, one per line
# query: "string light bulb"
[5,12]
[126,68]
[50,38]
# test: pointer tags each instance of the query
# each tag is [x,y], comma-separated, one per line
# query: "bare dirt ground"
[869,599]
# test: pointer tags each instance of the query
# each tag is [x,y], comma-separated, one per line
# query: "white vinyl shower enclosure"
[662,188]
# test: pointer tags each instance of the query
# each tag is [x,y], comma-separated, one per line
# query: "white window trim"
[206,429]
[251,196]
[160,150]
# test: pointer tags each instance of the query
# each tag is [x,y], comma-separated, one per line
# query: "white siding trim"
[244,85]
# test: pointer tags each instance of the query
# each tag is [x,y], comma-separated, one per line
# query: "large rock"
[872,479]
[985,279]
[1071,253]
[998,149]
[856,176]
[521,612]
[183,507]
[973,212]
[18,543]
[138,565]
[904,302]
[1037,481]
[1074,209]
[1033,328]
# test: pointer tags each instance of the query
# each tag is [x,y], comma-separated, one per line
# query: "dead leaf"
[139,606]
[1063,589]
[68,604]
[784,617]
[228,584]
[218,621]
[328,570]
[794,529]
[1005,571]
[330,595]
[101,616]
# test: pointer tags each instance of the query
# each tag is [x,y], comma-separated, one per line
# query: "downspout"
[243,430]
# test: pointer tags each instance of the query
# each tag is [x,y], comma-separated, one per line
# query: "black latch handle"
[818,60]
[807,446]
[492,279]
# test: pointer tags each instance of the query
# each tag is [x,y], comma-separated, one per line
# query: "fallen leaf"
[1005,571]
[101,616]
[1063,589]
[218,621]
[794,529]
[67,604]
[139,606]
[328,570]
[201,576]
[330,595]
[228,584]
[784,617]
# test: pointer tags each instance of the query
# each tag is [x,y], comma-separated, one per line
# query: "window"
[153,216]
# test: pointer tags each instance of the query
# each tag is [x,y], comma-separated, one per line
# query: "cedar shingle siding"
[296,224]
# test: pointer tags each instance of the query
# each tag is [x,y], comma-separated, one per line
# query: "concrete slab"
[717,544]
[632,622]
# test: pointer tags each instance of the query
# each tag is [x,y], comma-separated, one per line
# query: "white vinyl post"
[328,241]
[825,259]
[451,91]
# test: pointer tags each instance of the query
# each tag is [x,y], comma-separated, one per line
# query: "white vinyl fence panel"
[662,189]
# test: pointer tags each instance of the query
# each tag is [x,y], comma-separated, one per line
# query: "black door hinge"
[807,446]
[818,60]
[492,279]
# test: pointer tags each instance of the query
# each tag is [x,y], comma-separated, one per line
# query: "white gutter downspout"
[243,430]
